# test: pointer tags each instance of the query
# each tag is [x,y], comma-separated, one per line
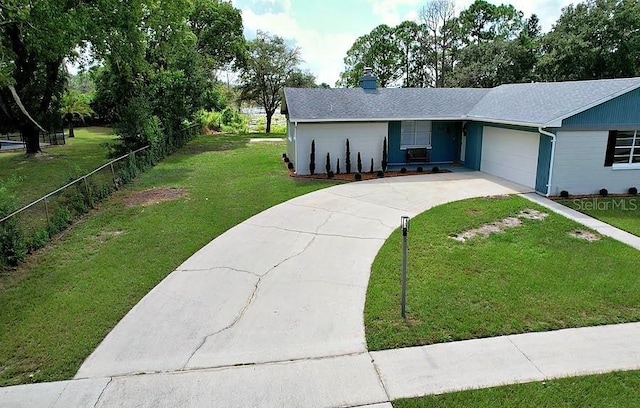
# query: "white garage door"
[510,154]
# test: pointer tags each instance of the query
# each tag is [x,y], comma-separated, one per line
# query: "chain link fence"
[33,225]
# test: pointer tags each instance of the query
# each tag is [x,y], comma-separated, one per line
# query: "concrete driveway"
[270,314]
[287,284]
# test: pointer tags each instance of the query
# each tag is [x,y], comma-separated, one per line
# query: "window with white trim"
[623,150]
[415,133]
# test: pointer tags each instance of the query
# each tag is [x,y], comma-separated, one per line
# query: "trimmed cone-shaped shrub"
[359,163]
[371,170]
[347,160]
[384,155]
[338,166]
[327,166]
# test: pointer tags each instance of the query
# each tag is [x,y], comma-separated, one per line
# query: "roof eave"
[557,122]
[326,120]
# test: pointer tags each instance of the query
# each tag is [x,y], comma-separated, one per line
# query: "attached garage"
[510,154]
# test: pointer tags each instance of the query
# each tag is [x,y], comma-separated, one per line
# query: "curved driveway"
[287,284]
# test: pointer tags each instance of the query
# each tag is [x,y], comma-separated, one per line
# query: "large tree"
[269,66]
[439,22]
[494,59]
[594,39]
[397,56]
[37,37]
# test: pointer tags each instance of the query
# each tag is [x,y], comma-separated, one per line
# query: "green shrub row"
[228,121]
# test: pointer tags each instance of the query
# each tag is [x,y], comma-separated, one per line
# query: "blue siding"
[619,111]
[395,154]
[473,152]
[445,142]
[544,162]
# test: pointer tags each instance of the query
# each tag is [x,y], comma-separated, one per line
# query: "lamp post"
[404,224]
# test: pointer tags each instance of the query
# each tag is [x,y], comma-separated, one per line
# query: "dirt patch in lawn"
[155,196]
[500,226]
[585,235]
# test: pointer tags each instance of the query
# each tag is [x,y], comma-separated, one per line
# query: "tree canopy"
[270,66]
[486,45]
[157,60]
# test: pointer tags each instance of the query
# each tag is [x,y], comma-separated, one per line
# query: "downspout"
[553,156]
[295,143]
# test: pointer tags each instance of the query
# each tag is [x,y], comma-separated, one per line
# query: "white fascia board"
[505,122]
[445,118]
[557,122]
[457,118]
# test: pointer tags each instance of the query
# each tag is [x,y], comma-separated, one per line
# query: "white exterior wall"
[579,165]
[291,143]
[364,137]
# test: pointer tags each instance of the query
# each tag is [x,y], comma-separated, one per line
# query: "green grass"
[623,213]
[531,278]
[59,306]
[29,178]
[620,389]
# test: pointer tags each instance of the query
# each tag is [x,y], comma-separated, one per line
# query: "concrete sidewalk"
[597,225]
[354,380]
[271,314]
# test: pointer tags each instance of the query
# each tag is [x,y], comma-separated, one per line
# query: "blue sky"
[325,29]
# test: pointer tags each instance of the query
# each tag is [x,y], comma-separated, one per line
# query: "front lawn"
[607,390]
[530,278]
[59,305]
[623,213]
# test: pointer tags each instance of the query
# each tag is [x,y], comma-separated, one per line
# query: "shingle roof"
[385,103]
[547,103]
[533,104]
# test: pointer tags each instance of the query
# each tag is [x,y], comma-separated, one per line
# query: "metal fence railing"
[54,211]
[57,137]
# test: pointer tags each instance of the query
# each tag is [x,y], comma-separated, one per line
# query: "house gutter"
[553,156]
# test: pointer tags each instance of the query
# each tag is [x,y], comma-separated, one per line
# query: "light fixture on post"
[404,224]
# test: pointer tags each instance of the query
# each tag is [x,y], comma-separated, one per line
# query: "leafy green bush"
[13,247]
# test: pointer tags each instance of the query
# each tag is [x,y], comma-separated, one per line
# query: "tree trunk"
[31,136]
[71,134]
[269,116]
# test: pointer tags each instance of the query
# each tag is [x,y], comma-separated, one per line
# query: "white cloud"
[389,10]
[322,52]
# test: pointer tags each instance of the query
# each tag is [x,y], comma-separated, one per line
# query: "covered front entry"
[510,154]
[441,140]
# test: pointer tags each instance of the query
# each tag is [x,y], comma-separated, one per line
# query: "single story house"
[578,136]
